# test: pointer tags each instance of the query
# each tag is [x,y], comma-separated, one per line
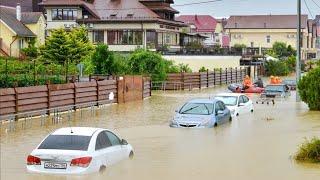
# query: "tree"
[277,68]
[149,63]
[66,47]
[57,48]
[309,89]
[281,50]
[103,60]
[31,51]
[79,44]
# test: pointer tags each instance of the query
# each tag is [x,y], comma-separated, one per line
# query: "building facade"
[18,28]
[261,31]
[124,25]
[204,25]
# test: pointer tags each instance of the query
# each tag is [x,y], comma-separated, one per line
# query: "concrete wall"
[209,62]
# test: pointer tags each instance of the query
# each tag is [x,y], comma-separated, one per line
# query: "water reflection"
[250,147]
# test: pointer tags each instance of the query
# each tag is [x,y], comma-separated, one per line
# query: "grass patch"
[309,151]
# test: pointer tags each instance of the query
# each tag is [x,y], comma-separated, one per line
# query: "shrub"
[148,63]
[185,68]
[239,47]
[103,60]
[309,89]
[309,151]
[31,51]
[203,69]
[277,68]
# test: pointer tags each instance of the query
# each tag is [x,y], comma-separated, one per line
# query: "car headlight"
[173,122]
[206,121]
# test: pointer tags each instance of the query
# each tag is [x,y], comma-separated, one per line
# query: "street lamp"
[298,60]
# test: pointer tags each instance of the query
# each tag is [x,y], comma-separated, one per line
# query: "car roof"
[276,85]
[76,131]
[229,94]
[202,101]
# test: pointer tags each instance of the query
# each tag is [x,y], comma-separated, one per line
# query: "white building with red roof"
[205,25]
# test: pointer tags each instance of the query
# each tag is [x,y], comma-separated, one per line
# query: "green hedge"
[309,89]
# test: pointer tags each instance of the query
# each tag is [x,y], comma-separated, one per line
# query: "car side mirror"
[124,142]
[220,112]
[241,104]
[176,110]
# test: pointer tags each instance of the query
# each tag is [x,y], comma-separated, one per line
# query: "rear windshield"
[66,142]
[228,100]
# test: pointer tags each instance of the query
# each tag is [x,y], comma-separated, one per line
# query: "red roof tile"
[203,23]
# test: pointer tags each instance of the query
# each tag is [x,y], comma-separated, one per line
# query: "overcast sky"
[226,8]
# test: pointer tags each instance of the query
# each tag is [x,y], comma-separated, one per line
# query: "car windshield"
[66,142]
[228,100]
[197,108]
[274,88]
[290,82]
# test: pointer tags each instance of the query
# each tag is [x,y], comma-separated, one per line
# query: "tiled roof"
[30,17]
[203,23]
[8,16]
[114,10]
[265,22]
[26,5]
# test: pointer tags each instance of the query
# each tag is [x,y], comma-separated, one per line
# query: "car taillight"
[32,160]
[81,162]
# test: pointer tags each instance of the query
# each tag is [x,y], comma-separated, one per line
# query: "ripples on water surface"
[254,146]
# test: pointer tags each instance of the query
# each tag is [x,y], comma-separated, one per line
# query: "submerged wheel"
[252,110]
[215,125]
[102,168]
[131,155]
[230,118]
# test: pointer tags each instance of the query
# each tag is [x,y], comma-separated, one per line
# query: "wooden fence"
[78,95]
[182,81]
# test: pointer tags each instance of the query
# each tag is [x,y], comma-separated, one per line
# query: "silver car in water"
[201,113]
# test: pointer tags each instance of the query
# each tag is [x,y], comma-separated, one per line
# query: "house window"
[125,37]
[64,14]
[268,39]
[151,39]
[98,36]
[21,43]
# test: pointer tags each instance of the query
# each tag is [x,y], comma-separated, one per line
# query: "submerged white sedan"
[78,150]
[236,102]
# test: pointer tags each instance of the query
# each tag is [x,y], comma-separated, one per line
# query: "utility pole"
[298,60]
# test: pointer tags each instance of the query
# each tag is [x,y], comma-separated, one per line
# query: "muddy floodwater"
[255,146]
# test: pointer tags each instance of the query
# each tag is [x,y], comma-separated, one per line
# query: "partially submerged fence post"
[236,74]
[207,78]
[182,80]
[214,77]
[16,102]
[220,76]
[226,75]
[200,80]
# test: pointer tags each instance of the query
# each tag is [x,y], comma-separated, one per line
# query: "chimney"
[18,11]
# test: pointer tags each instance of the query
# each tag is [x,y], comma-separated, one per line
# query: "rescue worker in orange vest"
[273,80]
[247,82]
[278,80]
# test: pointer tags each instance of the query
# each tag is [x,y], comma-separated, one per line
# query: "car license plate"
[49,165]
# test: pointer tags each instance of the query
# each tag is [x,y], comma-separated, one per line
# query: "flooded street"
[254,146]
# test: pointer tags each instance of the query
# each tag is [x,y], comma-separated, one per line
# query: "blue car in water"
[201,113]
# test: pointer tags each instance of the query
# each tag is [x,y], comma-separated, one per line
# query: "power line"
[196,3]
[316,3]
[305,2]
[178,5]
